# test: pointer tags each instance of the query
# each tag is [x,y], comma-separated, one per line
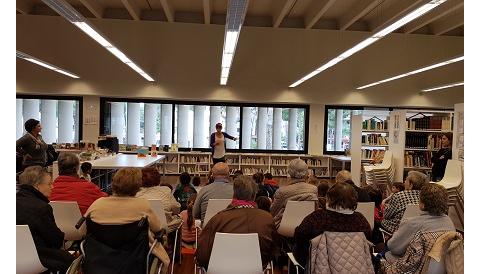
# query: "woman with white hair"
[297,190]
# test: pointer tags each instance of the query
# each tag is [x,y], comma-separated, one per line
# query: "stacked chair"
[453,182]
[382,174]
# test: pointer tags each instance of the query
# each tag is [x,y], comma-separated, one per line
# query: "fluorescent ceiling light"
[444,63]
[443,86]
[236,11]
[375,37]
[44,64]
[73,16]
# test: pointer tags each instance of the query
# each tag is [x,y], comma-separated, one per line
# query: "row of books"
[374,139]
[250,171]
[418,159]
[430,122]
[194,159]
[373,124]
[278,161]
[189,169]
[256,161]
[313,162]
[372,153]
[321,172]
[423,140]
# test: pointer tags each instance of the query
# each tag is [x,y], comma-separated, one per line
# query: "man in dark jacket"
[33,210]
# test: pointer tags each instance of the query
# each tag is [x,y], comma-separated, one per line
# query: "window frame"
[60,97]
[104,100]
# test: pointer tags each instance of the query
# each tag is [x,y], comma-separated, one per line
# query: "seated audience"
[434,206]
[376,197]
[312,180]
[339,216]
[124,208]
[411,195]
[346,176]
[322,187]
[269,180]
[296,190]
[196,181]
[69,187]
[237,173]
[263,203]
[396,187]
[262,191]
[33,210]
[241,216]
[86,171]
[188,227]
[220,188]
[152,189]
[184,190]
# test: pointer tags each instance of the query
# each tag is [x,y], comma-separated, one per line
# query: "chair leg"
[174,250]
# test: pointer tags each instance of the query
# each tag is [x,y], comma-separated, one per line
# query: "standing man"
[218,143]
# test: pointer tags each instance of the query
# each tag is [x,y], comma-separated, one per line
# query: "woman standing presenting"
[218,143]
[440,159]
[32,146]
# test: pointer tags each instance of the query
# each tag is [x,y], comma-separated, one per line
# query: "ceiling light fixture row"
[441,64]
[44,64]
[68,12]
[372,39]
[235,15]
[443,86]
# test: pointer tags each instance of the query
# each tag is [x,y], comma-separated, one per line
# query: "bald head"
[220,170]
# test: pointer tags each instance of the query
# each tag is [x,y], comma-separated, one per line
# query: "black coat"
[33,210]
[439,161]
[362,193]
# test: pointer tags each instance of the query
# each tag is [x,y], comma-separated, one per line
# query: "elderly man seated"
[297,190]
[68,186]
[221,188]
[241,216]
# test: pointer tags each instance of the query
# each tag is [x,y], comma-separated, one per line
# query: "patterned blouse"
[396,207]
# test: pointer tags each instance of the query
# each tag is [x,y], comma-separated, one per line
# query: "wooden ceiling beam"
[168,10]
[280,10]
[94,7]
[207,9]
[448,24]
[357,12]
[316,11]
[132,8]
[437,13]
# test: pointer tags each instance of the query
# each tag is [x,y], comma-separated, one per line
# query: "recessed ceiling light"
[44,64]
[443,86]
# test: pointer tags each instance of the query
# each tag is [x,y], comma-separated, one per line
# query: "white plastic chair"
[295,212]
[244,258]
[27,256]
[213,207]
[368,211]
[67,214]
[157,207]
[453,181]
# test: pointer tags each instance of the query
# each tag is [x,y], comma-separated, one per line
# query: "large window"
[257,127]
[59,116]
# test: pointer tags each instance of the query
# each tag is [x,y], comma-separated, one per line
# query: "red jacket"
[270,182]
[68,188]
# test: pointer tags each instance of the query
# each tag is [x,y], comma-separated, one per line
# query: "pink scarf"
[243,203]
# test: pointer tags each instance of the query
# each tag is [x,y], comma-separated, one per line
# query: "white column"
[166,125]
[262,128]
[277,128]
[65,121]
[76,123]
[49,121]
[133,124]
[215,117]
[338,129]
[117,124]
[246,127]
[19,110]
[182,126]
[31,109]
[199,135]
[231,125]
[292,129]
[150,124]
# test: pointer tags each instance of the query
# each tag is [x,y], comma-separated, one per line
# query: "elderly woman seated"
[339,216]
[124,208]
[241,216]
[297,190]
[33,210]
[434,207]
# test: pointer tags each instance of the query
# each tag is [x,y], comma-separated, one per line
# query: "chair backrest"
[411,210]
[213,207]
[368,211]
[243,258]
[27,256]
[157,207]
[453,174]
[295,212]
[387,159]
[67,214]
[436,267]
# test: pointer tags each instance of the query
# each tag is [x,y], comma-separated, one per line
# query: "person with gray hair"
[220,188]
[297,190]
[398,202]
[33,209]
[241,216]
[68,186]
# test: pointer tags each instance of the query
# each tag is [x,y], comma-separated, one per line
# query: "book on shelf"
[193,159]
[320,172]
[372,153]
[313,162]
[374,139]
[254,161]
[422,140]
[418,159]
[250,170]
[374,124]
[430,123]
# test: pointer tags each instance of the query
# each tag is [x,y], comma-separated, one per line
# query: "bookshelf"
[458,142]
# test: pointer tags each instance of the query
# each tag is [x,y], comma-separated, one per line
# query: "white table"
[118,161]
[338,158]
